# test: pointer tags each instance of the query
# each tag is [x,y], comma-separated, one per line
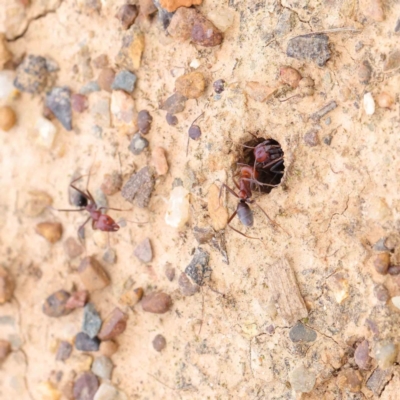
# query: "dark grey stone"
[124,80]
[84,342]
[310,47]
[302,333]
[174,104]
[198,269]
[91,320]
[138,144]
[58,100]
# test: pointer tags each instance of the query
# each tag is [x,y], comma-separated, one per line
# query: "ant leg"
[236,184]
[87,195]
[253,180]
[81,230]
[237,231]
[278,164]
[229,189]
[272,221]
[62,209]
[114,209]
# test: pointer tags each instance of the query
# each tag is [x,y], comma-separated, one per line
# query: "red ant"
[99,220]
[267,154]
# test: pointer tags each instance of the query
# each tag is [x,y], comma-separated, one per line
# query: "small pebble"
[171,119]
[191,85]
[397,27]
[106,79]
[102,367]
[46,132]
[223,19]
[47,391]
[159,161]
[8,118]
[112,183]
[381,293]
[122,108]
[144,121]
[159,342]
[138,144]
[381,263]
[302,333]
[384,100]
[108,348]
[311,138]
[203,235]
[113,325]
[373,9]
[90,87]
[85,386]
[5,54]
[100,61]
[306,87]
[84,342]
[124,80]
[396,301]
[7,286]
[72,248]
[178,208]
[55,304]
[181,24]
[205,33]
[187,286]
[365,72]
[36,203]
[51,231]
[110,256]
[92,274]
[143,251]
[58,100]
[361,355]
[170,272]
[198,268]
[194,132]
[127,14]
[311,47]
[385,354]
[157,303]
[107,392]
[174,104]
[302,380]
[130,54]
[218,213]
[7,88]
[219,86]
[32,74]
[131,297]
[290,76]
[5,349]
[79,102]
[139,187]
[64,351]
[258,91]
[394,270]
[91,320]
[353,380]
[369,104]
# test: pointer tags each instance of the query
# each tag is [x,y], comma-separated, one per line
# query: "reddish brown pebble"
[381,263]
[77,300]
[394,270]
[180,27]
[72,248]
[219,86]
[51,231]
[384,100]
[187,286]
[170,272]
[79,102]
[144,121]
[364,72]
[6,286]
[131,297]
[361,355]
[171,119]
[147,7]
[290,76]
[108,348]
[113,325]
[55,304]
[159,343]
[47,113]
[5,349]
[7,118]
[127,15]
[157,303]
[159,160]
[381,293]
[112,183]
[205,33]
[100,61]
[85,387]
[106,78]
[64,351]
[92,274]
[191,85]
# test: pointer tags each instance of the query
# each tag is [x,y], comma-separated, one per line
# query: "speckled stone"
[102,367]
[91,321]
[138,144]
[124,80]
[310,47]
[58,100]
[143,251]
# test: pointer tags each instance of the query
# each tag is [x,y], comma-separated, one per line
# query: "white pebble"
[122,107]
[369,104]
[195,63]
[396,301]
[46,132]
[178,208]
[106,392]
[222,19]
[6,84]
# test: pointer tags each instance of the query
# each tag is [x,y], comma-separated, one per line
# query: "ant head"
[107,224]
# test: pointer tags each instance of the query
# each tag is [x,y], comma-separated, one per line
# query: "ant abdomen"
[245,214]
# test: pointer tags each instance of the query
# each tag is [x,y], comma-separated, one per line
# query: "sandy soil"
[336,201]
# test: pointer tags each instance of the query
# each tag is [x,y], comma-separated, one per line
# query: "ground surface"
[335,203]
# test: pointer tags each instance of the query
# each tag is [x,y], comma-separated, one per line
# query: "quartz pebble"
[64,351]
[108,348]
[105,79]
[78,299]
[139,187]
[55,304]
[290,76]
[113,325]
[159,161]
[112,183]
[138,144]
[157,303]
[102,367]
[310,47]
[384,100]
[130,55]
[79,102]
[91,320]
[5,349]
[302,333]
[6,84]
[7,286]
[218,213]
[122,108]
[58,100]
[143,251]
[32,74]
[178,208]
[191,85]
[369,104]
[127,14]
[381,263]
[72,248]
[361,355]
[174,104]
[36,203]
[51,231]
[385,354]
[92,274]
[144,121]
[396,301]
[124,80]
[302,380]
[258,91]
[84,342]
[159,342]
[85,386]
[46,132]
[8,118]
